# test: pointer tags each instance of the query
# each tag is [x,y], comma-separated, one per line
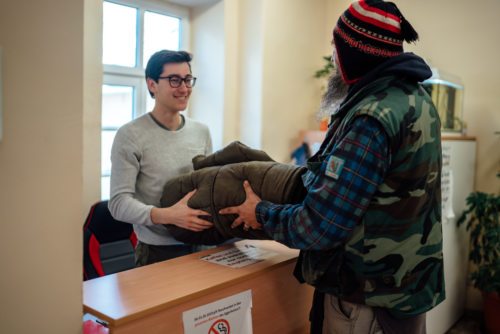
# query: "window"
[119,35]
[132,32]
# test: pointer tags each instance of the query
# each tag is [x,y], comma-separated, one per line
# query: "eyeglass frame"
[181,80]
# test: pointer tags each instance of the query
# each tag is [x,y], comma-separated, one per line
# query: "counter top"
[132,294]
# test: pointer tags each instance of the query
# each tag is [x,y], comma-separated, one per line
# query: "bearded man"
[369,228]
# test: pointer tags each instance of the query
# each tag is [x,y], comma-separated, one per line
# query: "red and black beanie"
[368,33]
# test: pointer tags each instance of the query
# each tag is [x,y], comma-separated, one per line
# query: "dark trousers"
[147,254]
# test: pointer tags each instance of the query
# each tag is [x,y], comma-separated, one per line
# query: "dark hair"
[154,68]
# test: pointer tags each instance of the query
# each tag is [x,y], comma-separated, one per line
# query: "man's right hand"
[180,214]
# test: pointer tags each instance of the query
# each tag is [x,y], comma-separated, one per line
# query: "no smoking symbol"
[221,326]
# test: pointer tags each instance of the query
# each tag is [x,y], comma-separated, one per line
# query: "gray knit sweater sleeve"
[126,158]
[144,157]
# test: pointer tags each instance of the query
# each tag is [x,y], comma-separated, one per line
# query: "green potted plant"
[327,68]
[482,218]
[324,73]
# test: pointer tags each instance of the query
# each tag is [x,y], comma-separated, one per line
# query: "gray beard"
[334,96]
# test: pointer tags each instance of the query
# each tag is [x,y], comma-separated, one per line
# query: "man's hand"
[246,211]
[182,215]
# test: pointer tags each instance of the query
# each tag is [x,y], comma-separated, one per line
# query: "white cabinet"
[459,157]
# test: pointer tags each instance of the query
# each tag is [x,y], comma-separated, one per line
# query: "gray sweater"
[144,157]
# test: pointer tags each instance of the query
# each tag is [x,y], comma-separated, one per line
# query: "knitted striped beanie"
[368,33]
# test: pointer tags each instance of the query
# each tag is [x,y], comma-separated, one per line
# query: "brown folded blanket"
[219,178]
[233,153]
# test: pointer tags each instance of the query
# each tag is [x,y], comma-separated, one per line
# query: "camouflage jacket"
[393,258]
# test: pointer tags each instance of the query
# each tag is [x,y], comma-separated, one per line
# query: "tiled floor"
[471,323]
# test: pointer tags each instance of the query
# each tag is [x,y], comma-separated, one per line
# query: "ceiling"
[193,3]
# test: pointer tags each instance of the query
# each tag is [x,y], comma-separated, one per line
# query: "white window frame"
[138,71]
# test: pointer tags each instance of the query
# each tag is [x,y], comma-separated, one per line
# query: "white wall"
[232,53]
[272,50]
[207,102]
[92,82]
[292,51]
[42,159]
[251,72]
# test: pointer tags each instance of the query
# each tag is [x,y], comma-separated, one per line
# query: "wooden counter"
[152,299]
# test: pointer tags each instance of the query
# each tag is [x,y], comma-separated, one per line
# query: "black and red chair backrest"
[108,244]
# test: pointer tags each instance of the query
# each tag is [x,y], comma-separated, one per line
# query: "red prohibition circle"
[220,326]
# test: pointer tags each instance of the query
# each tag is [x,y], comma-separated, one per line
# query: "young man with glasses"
[152,149]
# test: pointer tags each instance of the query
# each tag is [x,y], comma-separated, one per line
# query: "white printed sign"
[231,315]
[239,256]
[447,185]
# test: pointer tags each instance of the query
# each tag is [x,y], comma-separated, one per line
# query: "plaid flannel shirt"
[333,206]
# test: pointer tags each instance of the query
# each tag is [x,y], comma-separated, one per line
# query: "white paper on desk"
[239,256]
[231,315]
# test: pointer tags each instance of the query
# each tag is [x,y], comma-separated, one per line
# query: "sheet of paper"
[239,256]
[231,315]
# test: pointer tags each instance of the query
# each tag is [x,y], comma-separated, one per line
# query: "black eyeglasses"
[175,81]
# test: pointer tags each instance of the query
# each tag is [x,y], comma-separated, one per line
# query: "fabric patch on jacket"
[334,167]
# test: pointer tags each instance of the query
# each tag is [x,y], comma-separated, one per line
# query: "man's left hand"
[245,211]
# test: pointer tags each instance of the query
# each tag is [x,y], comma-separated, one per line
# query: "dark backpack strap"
[317,313]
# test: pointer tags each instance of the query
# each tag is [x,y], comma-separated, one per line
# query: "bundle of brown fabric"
[219,178]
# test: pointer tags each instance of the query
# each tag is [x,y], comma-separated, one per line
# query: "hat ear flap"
[407,31]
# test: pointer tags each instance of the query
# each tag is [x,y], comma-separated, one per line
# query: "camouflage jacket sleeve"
[337,194]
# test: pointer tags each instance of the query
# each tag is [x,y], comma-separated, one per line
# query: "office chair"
[108,244]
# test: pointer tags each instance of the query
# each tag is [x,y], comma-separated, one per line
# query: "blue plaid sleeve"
[338,196]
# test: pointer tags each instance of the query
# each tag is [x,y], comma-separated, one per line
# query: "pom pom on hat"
[367,34]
